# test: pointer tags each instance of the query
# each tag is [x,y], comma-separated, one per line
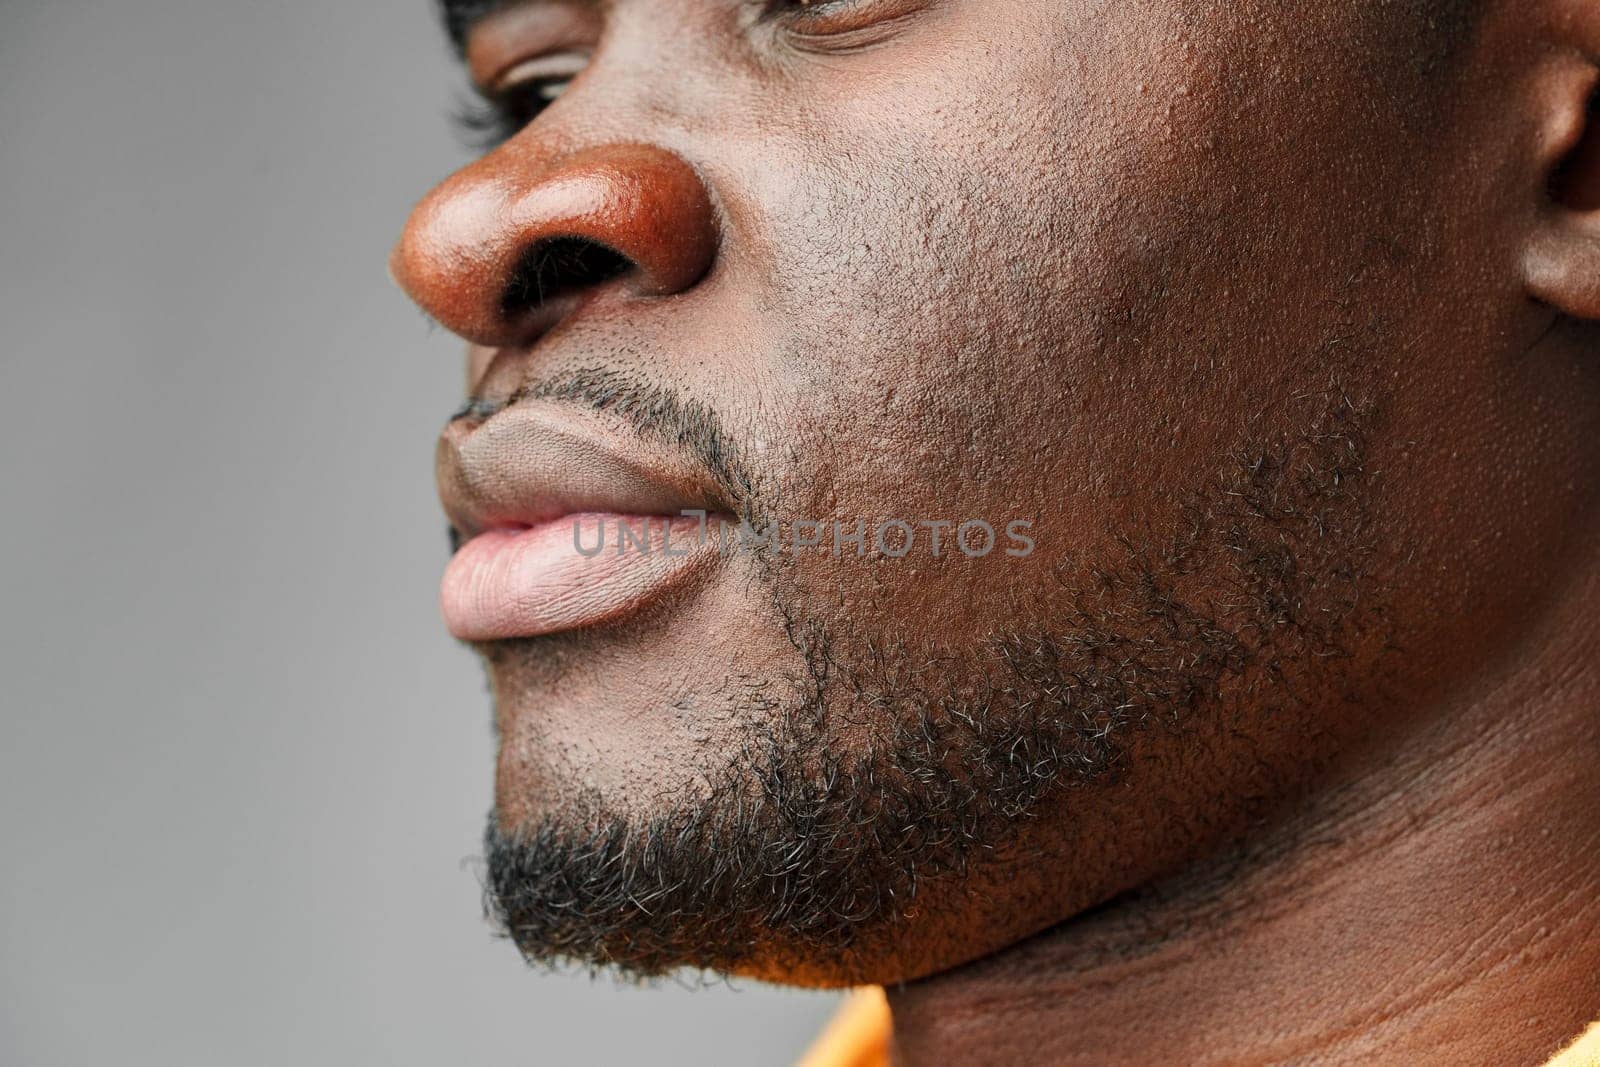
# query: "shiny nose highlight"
[496,245]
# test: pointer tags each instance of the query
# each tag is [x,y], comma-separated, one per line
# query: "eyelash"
[490,121]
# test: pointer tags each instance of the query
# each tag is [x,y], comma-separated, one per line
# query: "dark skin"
[1279,326]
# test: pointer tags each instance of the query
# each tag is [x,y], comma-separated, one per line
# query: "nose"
[496,252]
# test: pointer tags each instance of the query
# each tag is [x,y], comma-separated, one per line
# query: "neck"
[1442,906]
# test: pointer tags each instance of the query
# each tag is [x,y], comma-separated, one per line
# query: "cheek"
[1077,339]
[954,359]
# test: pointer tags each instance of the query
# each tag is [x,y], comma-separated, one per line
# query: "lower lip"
[568,573]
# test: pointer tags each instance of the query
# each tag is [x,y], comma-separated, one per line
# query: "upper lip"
[537,460]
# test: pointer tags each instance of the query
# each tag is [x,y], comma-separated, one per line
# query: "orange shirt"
[858,1036]
[1584,1052]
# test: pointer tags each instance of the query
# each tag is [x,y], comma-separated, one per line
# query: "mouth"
[564,522]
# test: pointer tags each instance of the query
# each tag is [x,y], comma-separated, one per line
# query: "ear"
[1563,254]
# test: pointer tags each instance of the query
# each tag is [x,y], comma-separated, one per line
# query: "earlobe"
[1577,181]
[1562,260]
[1563,264]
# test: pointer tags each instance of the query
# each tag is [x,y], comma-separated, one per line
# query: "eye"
[517,97]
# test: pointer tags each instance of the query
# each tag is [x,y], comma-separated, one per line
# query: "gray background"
[241,765]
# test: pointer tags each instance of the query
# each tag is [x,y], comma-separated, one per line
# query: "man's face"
[1176,286]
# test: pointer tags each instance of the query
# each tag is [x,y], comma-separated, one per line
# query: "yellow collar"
[858,1036]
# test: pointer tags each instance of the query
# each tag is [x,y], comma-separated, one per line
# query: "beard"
[889,770]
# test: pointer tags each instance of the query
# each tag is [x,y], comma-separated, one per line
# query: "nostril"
[557,266]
